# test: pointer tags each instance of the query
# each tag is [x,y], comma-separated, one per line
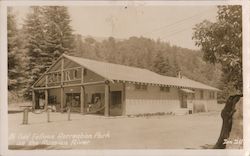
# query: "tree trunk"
[228,117]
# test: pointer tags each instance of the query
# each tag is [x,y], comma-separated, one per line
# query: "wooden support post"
[46,92]
[62,68]
[33,99]
[123,99]
[68,111]
[106,110]
[62,99]
[46,99]
[25,116]
[62,89]
[82,92]
[82,76]
[82,99]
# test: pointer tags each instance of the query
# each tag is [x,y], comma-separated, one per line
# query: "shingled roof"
[116,72]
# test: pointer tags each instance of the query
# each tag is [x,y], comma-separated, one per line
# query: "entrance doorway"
[115,103]
[184,100]
[73,100]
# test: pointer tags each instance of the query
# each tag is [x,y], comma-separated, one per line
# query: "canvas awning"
[187,90]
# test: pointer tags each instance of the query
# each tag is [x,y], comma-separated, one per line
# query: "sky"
[172,24]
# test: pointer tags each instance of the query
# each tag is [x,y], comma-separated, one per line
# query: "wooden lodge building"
[88,86]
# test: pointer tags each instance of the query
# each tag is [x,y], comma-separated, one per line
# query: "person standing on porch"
[97,102]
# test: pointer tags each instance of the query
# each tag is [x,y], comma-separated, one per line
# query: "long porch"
[68,84]
[105,99]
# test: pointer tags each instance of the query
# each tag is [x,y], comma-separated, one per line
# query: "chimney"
[179,75]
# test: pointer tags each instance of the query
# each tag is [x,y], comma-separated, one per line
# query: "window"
[164,89]
[73,99]
[52,100]
[212,95]
[75,73]
[116,99]
[144,87]
[140,87]
[193,96]
[84,72]
[201,94]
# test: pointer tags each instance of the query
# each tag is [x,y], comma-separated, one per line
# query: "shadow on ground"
[207,146]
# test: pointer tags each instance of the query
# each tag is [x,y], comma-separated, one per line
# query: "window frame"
[212,95]
[164,89]
[141,87]
[201,94]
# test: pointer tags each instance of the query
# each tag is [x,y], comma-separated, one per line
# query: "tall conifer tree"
[35,44]
[49,35]
[59,34]
[14,68]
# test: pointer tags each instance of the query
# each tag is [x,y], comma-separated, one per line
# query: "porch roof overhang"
[187,90]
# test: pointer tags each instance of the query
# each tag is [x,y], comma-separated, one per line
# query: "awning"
[187,90]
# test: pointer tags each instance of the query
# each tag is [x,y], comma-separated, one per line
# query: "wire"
[177,22]
[175,32]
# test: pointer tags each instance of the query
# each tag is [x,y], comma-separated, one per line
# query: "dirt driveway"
[98,132]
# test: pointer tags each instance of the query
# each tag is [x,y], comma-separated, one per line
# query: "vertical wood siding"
[151,100]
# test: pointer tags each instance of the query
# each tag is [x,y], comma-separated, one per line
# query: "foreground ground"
[97,132]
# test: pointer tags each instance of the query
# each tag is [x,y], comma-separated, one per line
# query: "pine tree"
[35,45]
[59,34]
[48,35]
[161,65]
[176,62]
[78,45]
[14,73]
